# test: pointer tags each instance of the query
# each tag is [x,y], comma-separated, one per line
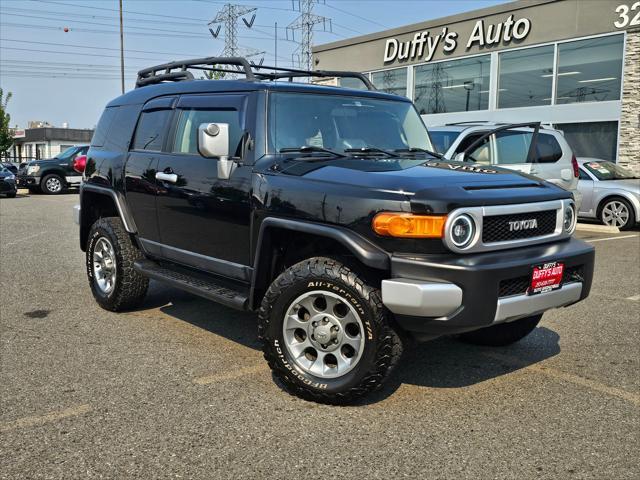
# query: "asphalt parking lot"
[179,389]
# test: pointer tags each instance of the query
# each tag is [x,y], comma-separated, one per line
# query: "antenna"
[306,23]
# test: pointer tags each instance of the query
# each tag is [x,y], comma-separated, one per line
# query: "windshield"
[443,139]
[67,154]
[608,171]
[340,123]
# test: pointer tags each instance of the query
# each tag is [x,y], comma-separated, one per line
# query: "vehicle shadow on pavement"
[444,363]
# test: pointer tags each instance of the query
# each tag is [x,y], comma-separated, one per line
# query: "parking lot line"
[568,377]
[231,375]
[611,238]
[24,239]
[635,298]
[50,417]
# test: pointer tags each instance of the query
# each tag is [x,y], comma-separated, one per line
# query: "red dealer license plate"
[546,277]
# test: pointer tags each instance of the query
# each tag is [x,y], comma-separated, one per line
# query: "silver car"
[508,147]
[610,193]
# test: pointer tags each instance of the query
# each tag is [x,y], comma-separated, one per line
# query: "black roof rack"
[179,70]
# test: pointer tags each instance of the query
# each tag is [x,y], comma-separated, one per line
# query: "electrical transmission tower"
[306,23]
[228,17]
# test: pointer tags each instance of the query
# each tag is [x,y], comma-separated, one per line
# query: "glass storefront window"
[350,82]
[526,77]
[453,86]
[592,139]
[589,70]
[391,81]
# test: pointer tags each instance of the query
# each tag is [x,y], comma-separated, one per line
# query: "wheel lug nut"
[335,340]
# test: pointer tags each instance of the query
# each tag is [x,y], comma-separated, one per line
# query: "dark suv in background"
[54,175]
[324,210]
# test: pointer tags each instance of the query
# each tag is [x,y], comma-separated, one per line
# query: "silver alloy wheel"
[104,265]
[53,184]
[323,334]
[615,213]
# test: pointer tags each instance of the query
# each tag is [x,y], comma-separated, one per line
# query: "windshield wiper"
[419,150]
[311,149]
[370,150]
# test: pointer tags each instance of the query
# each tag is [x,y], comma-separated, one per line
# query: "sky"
[60,59]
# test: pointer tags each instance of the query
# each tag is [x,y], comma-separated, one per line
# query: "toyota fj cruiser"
[324,210]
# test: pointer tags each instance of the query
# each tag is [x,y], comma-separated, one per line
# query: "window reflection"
[526,77]
[589,70]
[391,81]
[453,86]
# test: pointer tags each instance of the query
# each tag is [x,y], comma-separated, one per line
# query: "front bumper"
[7,186]
[435,295]
[26,181]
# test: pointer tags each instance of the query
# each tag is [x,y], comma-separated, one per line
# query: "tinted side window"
[186,138]
[583,175]
[151,130]
[548,149]
[122,128]
[466,141]
[104,124]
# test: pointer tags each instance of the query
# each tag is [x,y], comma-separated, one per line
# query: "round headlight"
[569,219]
[461,231]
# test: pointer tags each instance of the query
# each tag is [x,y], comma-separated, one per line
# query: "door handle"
[167,177]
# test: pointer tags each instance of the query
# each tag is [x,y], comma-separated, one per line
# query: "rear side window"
[548,149]
[151,130]
[186,138]
[100,135]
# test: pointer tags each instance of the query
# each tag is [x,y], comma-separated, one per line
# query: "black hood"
[430,185]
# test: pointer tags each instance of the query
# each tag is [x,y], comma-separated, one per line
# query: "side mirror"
[566,174]
[213,142]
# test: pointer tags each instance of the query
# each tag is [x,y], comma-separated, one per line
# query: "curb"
[591,227]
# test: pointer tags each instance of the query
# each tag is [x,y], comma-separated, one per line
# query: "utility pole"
[306,23]
[121,49]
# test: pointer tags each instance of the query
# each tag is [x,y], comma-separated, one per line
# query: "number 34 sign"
[626,15]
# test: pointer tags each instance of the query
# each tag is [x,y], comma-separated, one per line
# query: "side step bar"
[197,286]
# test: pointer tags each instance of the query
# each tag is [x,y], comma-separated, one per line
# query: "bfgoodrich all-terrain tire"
[325,332]
[110,256]
[504,333]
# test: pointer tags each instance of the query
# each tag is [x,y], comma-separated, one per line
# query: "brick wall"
[629,149]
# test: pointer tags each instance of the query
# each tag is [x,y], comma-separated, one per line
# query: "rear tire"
[325,332]
[502,334]
[52,184]
[110,256]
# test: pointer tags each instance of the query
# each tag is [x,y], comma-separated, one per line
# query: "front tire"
[52,184]
[617,212]
[110,256]
[325,332]
[502,334]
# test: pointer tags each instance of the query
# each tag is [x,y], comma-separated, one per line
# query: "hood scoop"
[502,186]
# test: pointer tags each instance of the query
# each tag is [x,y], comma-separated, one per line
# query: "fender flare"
[118,200]
[363,249]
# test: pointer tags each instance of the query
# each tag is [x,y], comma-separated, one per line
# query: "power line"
[357,16]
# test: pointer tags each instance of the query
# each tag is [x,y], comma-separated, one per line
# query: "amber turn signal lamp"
[406,225]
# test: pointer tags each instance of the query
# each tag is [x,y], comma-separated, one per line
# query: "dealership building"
[574,64]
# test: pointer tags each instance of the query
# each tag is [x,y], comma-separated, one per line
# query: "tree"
[6,136]
[209,75]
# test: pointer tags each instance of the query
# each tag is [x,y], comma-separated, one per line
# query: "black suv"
[323,209]
[53,175]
